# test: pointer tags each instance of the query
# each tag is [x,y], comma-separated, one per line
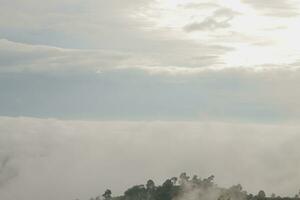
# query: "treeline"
[188,188]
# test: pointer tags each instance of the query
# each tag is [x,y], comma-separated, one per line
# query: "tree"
[250,196]
[195,179]
[137,192]
[188,188]
[273,195]
[150,185]
[261,194]
[236,192]
[165,192]
[174,180]
[208,182]
[107,194]
[183,178]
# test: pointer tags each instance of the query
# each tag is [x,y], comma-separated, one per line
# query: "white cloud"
[149,33]
[277,8]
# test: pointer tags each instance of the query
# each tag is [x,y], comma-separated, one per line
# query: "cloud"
[80,159]
[95,35]
[7,170]
[275,8]
[197,6]
[71,23]
[155,93]
[18,57]
[220,19]
[165,58]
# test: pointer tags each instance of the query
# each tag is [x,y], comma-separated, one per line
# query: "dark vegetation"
[186,188]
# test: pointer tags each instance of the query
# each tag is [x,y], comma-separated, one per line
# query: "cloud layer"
[139,94]
[167,34]
[18,57]
[275,8]
[55,159]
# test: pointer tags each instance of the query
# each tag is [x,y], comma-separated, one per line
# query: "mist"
[59,159]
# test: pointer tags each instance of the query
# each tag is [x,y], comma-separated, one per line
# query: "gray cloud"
[154,93]
[7,171]
[17,57]
[218,20]
[276,8]
[79,159]
[76,23]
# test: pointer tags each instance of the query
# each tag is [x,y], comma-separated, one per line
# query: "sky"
[89,86]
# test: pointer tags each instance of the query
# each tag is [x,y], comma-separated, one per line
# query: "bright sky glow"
[257,40]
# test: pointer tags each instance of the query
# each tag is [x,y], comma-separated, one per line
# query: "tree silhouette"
[107,194]
[200,189]
[150,185]
[261,195]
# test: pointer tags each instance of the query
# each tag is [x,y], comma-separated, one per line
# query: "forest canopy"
[185,187]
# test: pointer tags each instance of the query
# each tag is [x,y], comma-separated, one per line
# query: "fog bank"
[56,159]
